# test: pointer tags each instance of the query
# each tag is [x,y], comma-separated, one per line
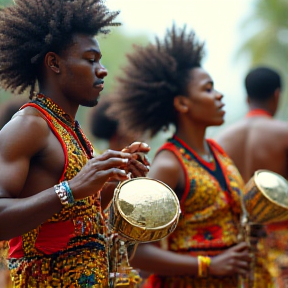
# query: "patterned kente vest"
[69,250]
[211,211]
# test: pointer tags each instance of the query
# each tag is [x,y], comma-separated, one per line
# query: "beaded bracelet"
[64,193]
[203,266]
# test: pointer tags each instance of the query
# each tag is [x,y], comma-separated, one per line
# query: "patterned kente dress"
[70,249]
[211,211]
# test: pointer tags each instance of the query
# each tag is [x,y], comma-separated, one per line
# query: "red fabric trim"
[216,147]
[47,117]
[277,226]
[15,244]
[152,282]
[214,144]
[258,112]
[210,165]
[15,248]
[171,147]
[62,233]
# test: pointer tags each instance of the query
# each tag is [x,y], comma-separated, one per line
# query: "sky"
[217,22]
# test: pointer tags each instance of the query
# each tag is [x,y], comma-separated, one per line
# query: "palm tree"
[267,42]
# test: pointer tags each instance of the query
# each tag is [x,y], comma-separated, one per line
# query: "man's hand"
[111,165]
[138,165]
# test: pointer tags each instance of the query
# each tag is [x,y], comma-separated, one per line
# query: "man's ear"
[248,100]
[277,94]
[52,62]
[181,104]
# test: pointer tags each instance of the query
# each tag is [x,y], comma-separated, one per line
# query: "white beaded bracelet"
[64,193]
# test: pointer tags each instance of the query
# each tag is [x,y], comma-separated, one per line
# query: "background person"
[105,127]
[259,141]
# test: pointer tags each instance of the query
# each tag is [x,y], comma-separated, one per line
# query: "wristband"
[203,266]
[64,193]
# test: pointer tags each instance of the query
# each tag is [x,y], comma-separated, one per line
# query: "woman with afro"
[165,84]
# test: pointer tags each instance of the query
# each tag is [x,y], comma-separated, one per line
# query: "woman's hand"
[256,232]
[235,260]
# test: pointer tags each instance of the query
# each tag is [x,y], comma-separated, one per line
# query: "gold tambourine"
[144,210]
[266,197]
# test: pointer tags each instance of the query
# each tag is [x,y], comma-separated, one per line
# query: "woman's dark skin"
[202,108]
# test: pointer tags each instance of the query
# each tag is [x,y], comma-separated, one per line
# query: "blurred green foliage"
[5,2]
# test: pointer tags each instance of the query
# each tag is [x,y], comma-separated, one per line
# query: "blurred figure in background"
[108,128]
[259,141]
[164,84]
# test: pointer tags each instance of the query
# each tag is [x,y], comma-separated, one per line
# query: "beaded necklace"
[65,120]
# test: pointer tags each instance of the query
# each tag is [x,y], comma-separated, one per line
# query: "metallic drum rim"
[176,216]
[256,179]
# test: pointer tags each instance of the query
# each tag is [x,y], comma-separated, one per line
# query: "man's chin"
[90,103]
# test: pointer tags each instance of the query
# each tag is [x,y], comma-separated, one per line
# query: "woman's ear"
[181,104]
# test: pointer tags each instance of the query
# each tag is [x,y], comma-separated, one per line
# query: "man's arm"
[20,140]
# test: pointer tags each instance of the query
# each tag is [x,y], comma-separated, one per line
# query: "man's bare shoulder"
[26,130]
[281,125]
[237,129]
[272,126]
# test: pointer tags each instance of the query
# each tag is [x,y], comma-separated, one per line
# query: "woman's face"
[205,103]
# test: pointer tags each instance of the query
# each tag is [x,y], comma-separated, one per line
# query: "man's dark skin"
[31,157]
[258,142]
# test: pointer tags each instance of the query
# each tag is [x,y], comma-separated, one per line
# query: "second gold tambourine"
[144,210]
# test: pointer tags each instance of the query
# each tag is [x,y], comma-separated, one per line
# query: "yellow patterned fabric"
[211,211]
[70,249]
[276,243]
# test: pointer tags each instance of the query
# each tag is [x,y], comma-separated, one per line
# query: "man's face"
[81,71]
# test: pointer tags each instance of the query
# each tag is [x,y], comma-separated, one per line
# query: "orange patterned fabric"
[70,249]
[211,211]
[277,247]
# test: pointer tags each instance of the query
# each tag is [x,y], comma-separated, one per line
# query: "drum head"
[147,203]
[273,186]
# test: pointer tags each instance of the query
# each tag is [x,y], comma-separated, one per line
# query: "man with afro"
[50,183]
